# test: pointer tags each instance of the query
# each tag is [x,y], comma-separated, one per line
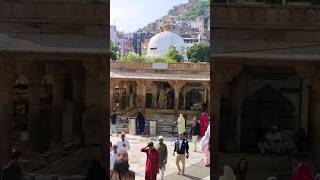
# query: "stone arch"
[263,109]
[193,96]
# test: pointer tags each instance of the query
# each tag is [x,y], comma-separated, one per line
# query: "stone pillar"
[154,95]
[141,94]
[222,74]
[215,119]
[177,86]
[98,95]
[111,100]
[6,83]
[77,108]
[34,120]
[315,124]
[206,89]
[57,106]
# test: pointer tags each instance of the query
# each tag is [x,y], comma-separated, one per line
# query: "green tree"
[114,51]
[199,53]
[174,54]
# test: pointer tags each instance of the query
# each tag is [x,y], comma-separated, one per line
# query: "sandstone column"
[177,86]
[222,74]
[77,102]
[206,89]
[34,120]
[111,100]
[6,83]
[141,94]
[57,105]
[96,94]
[315,125]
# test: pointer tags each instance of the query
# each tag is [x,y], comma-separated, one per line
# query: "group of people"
[303,171]
[239,172]
[284,141]
[157,155]
[139,120]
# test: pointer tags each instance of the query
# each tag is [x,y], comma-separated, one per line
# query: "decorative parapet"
[198,68]
[266,16]
[93,12]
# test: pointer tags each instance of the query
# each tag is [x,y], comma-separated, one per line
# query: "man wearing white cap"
[123,143]
[121,166]
[162,148]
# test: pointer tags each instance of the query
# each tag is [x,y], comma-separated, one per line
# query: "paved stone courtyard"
[137,159]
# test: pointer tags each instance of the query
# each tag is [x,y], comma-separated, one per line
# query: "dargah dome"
[160,43]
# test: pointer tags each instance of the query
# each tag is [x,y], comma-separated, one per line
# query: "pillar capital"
[6,73]
[225,72]
[177,85]
[143,83]
[307,73]
[95,69]
[206,84]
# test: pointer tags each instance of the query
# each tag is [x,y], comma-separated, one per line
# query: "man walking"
[182,149]
[113,118]
[152,163]
[123,143]
[194,132]
[162,148]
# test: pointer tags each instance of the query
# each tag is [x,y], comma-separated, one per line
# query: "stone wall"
[273,22]
[72,17]
[199,68]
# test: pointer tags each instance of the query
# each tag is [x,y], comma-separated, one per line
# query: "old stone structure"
[265,72]
[172,88]
[52,66]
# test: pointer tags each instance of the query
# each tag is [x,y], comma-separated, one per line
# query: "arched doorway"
[262,110]
[193,99]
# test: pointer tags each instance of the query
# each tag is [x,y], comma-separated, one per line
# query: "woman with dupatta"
[203,123]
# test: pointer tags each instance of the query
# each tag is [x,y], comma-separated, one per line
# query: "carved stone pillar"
[34,124]
[57,105]
[222,74]
[177,86]
[315,124]
[111,100]
[96,94]
[77,107]
[141,94]
[206,89]
[6,83]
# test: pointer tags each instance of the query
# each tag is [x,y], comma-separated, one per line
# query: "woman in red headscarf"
[203,123]
[303,172]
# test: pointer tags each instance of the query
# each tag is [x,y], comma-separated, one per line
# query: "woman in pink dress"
[205,142]
[203,123]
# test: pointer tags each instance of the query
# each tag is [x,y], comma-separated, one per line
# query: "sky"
[130,15]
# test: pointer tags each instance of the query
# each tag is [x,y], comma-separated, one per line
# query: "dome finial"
[166,24]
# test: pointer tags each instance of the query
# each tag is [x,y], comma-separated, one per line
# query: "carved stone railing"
[198,68]
[266,16]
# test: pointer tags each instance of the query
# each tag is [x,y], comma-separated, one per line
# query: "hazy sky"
[130,15]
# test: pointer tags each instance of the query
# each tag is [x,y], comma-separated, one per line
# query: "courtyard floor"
[195,168]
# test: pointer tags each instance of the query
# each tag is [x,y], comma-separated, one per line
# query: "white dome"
[160,44]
